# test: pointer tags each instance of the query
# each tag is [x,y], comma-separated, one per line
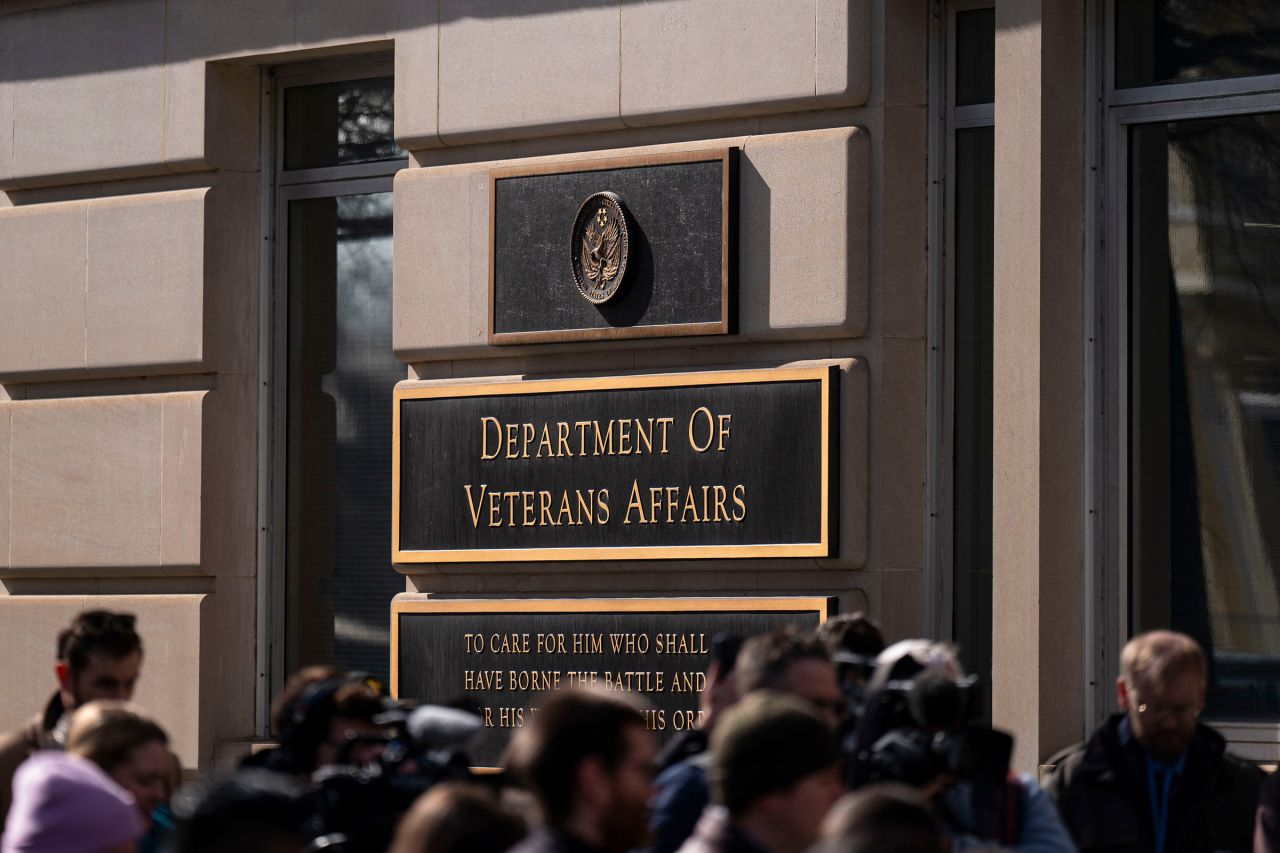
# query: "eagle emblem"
[599,247]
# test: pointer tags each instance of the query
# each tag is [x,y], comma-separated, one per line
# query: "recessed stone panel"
[87,83]
[803,226]
[694,59]
[88,485]
[146,280]
[804,241]
[542,68]
[42,289]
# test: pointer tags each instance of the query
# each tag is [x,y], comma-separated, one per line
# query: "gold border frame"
[825,375]
[823,605]
[728,197]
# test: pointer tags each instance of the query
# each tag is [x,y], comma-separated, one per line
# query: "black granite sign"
[625,247]
[725,464]
[504,655]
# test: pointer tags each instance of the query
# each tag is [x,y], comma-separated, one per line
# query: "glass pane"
[1205,290]
[974,255]
[975,57]
[337,124]
[341,374]
[1176,41]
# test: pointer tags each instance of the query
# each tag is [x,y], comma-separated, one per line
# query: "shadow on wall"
[199,29]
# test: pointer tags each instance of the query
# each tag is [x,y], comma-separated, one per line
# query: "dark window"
[971,252]
[1177,41]
[974,249]
[341,374]
[975,57]
[339,124]
[1205,397]
[335,372]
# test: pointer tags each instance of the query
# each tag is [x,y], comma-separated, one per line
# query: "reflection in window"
[341,375]
[974,318]
[1205,405]
[1176,41]
[339,124]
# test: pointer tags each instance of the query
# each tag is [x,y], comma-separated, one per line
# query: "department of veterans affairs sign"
[688,465]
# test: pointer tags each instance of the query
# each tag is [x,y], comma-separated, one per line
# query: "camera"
[356,808]
[917,729]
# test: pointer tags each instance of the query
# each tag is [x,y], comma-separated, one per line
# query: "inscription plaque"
[503,655]
[696,465]
[677,239]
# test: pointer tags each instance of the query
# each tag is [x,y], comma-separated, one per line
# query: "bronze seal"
[598,246]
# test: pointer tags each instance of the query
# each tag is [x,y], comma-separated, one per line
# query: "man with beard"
[99,656]
[1154,777]
[588,760]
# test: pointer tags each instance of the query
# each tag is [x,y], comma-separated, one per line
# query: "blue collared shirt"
[1159,785]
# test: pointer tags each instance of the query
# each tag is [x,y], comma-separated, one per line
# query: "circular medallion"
[598,247]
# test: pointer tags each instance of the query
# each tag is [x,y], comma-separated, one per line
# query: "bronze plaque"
[651,248]
[502,655]
[599,247]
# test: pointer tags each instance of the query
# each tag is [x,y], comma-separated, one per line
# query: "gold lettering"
[484,437]
[513,437]
[566,509]
[740,499]
[545,440]
[582,436]
[721,494]
[526,501]
[689,506]
[604,444]
[475,506]
[693,442]
[655,501]
[673,500]
[634,503]
[664,423]
[511,507]
[602,505]
[584,506]
[495,509]
[723,421]
[527,431]
[562,439]
[544,510]
[645,438]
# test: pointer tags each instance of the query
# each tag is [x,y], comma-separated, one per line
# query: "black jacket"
[1100,787]
[552,841]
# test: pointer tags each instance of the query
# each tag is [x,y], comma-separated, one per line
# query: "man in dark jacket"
[774,772]
[588,760]
[786,661]
[1154,777]
[98,657]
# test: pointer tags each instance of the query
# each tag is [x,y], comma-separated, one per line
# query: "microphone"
[436,727]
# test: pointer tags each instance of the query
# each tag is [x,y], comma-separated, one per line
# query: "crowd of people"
[826,741]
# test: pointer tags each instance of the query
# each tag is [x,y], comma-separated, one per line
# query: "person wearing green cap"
[774,773]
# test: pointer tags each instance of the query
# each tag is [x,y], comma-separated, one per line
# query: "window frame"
[1110,486]
[946,119]
[280,188]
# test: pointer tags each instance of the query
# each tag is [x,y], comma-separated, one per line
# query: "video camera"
[356,808]
[918,728]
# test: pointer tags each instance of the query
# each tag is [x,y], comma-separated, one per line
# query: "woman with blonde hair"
[134,751]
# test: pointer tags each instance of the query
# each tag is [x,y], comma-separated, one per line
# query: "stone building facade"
[145,337]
